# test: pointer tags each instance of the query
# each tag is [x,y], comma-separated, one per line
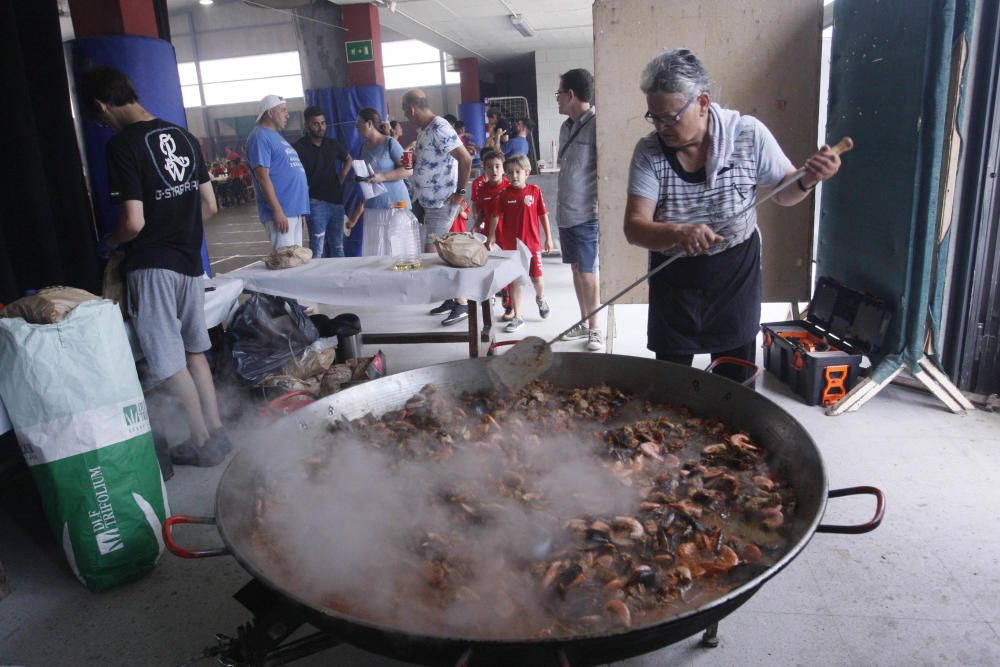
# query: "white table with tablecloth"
[371,281]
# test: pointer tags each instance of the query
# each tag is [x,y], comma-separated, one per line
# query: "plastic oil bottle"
[405,239]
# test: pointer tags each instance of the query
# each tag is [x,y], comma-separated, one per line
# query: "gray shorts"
[437,221]
[167,310]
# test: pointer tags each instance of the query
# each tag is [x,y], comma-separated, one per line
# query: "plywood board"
[763,57]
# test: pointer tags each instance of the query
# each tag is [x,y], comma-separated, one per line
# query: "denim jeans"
[326,228]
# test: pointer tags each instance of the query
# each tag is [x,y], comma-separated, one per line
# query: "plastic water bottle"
[405,239]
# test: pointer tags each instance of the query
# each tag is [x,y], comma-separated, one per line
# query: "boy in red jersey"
[519,212]
[485,190]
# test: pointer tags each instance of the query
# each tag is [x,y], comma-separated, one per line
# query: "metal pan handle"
[860,528]
[739,362]
[177,550]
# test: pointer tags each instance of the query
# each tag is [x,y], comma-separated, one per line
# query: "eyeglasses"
[668,120]
[559,92]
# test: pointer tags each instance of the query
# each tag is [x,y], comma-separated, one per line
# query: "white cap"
[268,103]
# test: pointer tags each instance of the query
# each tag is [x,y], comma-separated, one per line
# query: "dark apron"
[706,303]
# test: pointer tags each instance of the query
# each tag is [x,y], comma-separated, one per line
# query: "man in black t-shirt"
[157,173]
[319,154]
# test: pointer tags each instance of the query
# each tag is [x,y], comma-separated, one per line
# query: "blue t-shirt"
[267,148]
[386,157]
[515,146]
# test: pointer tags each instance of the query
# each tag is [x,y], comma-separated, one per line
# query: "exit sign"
[360,51]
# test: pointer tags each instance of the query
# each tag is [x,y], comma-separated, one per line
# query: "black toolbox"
[820,357]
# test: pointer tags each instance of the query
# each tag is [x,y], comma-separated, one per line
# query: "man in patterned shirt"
[440,173]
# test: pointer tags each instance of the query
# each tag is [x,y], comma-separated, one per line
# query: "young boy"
[485,190]
[517,212]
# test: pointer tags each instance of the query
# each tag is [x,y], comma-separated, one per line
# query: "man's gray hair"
[416,100]
[675,71]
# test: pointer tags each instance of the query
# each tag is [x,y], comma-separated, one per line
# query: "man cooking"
[701,165]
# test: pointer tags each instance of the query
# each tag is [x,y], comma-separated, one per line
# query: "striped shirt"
[684,197]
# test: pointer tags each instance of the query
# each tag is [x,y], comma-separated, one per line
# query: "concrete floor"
[923,589]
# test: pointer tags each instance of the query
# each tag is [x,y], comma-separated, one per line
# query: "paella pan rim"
[693,377]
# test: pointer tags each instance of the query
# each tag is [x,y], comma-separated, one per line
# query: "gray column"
[320,32]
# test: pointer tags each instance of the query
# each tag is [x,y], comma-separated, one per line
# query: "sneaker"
[595,341]
[514,325]
[458,313]
[579,331]
[543,307]
[208,455]
[222,438]
[445,307]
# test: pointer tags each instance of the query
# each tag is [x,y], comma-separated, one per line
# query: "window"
[410,63]
[245,79]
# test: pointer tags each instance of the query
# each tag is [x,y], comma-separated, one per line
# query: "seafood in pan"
[504,552]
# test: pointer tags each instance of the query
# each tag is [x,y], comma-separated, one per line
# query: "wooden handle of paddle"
[843,146]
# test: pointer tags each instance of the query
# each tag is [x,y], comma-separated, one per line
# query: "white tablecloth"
[352,281]
[221,303]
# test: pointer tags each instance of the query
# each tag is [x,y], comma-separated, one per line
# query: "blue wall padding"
[151,65]
[340,107]
[473,114]
[889,77]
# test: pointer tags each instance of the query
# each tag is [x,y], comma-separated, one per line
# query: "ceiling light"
[521,25]
[205,2]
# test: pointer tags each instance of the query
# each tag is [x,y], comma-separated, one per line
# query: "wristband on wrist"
[804,188]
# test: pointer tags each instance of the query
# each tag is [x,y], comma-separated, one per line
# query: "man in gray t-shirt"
[576,210]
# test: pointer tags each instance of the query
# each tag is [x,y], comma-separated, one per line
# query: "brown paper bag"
[461,250]
[48,305]
[288,256]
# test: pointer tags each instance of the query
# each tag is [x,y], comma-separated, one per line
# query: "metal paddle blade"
[523,363]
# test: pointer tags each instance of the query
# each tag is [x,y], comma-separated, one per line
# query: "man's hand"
[455,199]
[281,221]
[696,239]
[823,164]
[105,247]
[547,247]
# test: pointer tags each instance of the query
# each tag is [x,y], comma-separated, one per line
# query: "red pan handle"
[739,362]
[860,528]
[176,549]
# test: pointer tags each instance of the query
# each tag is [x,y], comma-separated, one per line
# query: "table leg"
[473,330]
[487,320]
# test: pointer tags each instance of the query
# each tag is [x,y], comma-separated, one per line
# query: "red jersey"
[461,222]
[519,211]
[484,195]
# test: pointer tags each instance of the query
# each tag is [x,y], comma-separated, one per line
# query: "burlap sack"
[311,363]
[48,305]
[284,384]
[338,375]
[288,256]
[461,250]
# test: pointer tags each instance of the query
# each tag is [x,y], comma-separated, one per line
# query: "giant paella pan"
[598,535]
